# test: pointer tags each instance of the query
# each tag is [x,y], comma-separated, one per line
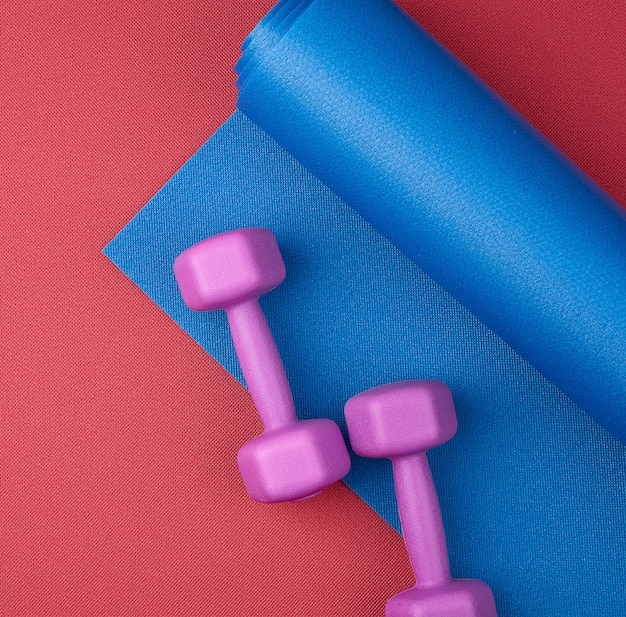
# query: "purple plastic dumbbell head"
[458,598]
[229,268]
[400,418]
[294,462]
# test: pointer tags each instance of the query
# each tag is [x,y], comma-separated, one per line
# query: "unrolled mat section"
[438,163]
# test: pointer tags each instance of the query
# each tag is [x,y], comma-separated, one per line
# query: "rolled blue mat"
[530,487]
[438,163]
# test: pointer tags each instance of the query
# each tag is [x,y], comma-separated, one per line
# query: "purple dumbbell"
[401,421]
[292,459]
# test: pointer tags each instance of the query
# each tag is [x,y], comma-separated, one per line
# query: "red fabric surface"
[119,490]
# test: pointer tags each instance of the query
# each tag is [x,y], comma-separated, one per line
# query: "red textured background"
[119,489]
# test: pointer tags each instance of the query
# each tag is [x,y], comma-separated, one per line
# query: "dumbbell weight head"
[229,268]
[459,598]
[295,462]
[382,422]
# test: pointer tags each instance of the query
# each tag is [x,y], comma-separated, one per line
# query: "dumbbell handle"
[261,364]
[420,515]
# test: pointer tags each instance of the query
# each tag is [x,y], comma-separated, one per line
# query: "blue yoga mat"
[439,164]
[531,489]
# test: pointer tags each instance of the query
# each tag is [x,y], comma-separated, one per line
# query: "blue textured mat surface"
[531,488]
